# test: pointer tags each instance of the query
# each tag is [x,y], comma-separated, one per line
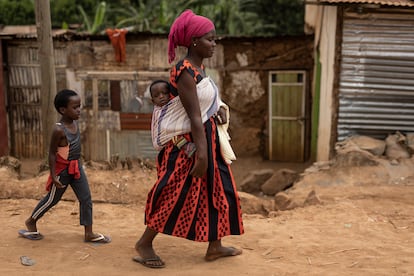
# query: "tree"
[279,17]
[17,12]
[231,17]
[138,17]
[155,16]
[98,23]
[66,12]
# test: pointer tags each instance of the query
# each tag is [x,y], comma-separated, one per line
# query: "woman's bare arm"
[187,92]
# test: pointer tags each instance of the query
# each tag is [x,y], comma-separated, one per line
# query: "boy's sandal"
[31,235]
[100,239]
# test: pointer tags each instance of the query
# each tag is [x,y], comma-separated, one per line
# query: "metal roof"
[26,31]
[397,3]
[30,32]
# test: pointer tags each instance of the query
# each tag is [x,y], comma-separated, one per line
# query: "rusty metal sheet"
[376,85]
[398,3]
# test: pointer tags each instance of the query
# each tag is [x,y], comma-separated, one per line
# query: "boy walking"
[65,169]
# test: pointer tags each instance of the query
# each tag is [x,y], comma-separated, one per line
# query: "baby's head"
[160,92]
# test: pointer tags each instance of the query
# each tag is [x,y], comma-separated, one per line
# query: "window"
[122,92]
[103,93]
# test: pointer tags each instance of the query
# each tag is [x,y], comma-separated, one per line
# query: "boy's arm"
[57,135]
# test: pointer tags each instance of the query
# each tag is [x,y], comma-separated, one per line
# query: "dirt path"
[357,230]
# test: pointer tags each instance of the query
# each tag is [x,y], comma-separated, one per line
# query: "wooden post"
[4,141]
[94,123]
[47,69]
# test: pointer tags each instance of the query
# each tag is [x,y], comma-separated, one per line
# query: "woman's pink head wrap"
[185,27]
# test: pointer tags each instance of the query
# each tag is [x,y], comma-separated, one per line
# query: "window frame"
[128,120]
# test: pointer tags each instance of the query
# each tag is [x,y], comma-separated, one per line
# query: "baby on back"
[160,96]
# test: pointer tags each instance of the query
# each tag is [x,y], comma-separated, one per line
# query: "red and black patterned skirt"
[200,209]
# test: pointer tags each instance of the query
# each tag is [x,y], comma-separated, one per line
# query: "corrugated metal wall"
[376,89]
[24,95]
[24,101]
[125,143]
[129,143]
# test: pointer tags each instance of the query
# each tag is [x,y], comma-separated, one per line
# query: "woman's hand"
[221,116]
[200,165]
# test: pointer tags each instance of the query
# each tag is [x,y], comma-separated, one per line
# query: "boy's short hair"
[62,98]
[159,81]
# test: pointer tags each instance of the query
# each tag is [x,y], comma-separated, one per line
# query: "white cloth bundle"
[224,137]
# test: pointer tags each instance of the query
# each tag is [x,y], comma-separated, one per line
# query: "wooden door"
[287,116]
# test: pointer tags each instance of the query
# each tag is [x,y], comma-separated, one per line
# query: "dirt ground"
[363,226]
